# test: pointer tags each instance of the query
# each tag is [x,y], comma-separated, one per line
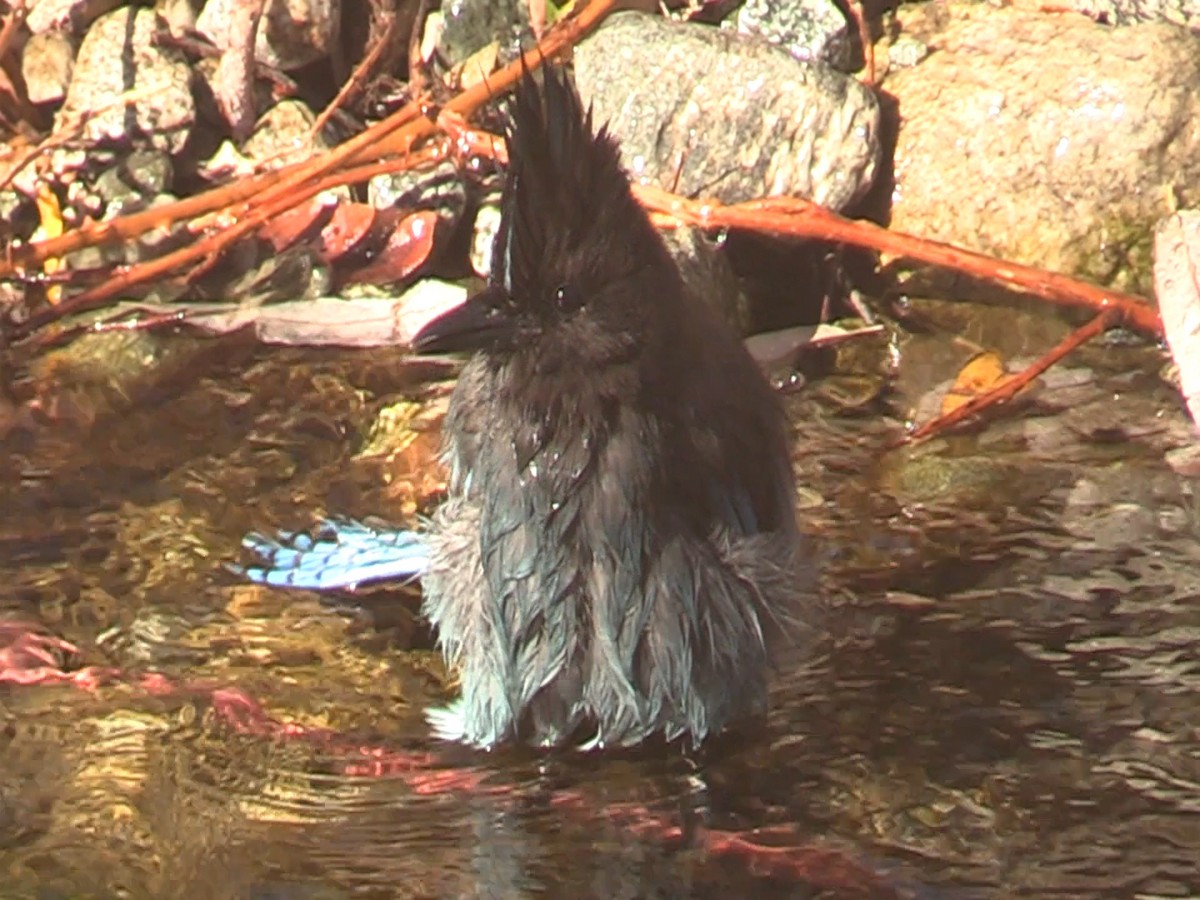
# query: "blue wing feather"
[342,553]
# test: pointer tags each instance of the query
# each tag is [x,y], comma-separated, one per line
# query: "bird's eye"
[568,298]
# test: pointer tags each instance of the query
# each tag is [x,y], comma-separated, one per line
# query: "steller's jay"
[619,547]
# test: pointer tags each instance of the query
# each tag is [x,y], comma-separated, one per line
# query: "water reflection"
[1004,704]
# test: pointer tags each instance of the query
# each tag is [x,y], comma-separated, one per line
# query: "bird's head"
[578,271]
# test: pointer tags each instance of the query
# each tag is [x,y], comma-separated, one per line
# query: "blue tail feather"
[341,553]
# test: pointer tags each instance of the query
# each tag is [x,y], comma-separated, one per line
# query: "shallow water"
[1003,705]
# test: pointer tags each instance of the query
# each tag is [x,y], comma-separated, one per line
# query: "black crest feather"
[565,187]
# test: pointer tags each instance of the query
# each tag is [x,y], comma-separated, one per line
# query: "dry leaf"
[983,372]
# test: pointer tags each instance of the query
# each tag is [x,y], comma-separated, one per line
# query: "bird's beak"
[478,322]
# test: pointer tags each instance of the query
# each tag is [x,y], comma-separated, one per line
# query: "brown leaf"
[407,249]
[346,229]
[288,227]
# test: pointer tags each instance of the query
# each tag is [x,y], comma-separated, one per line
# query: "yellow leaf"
[50,217]
[982,373]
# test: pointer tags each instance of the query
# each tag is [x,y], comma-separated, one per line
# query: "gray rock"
[470,25]
[292,33]
[1128,12]
[157,241]
[440,189]
[12,204]
[807,29]
[281,135]
[1177,288]
[46,65]
[134,180]
[708,113]
[72,16]
[179,15]
[906,51]
[118,56]
[1049,140]
[223,93]
[146,246]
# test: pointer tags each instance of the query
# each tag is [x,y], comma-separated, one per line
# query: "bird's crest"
[566,196]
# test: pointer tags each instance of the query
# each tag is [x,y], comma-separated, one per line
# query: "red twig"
[358,78]
[254,200]
[1010,387]
[859,14]
[801,218]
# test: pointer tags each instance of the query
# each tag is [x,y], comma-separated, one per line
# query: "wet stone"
[926,476]
[115,370]
[294,273]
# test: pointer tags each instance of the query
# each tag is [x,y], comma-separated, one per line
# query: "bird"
[618,555]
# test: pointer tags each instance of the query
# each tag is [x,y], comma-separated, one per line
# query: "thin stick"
[801,218]
[394,135]
[358,78]
[1010,387]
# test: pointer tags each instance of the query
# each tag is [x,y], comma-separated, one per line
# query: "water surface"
[1003,702]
